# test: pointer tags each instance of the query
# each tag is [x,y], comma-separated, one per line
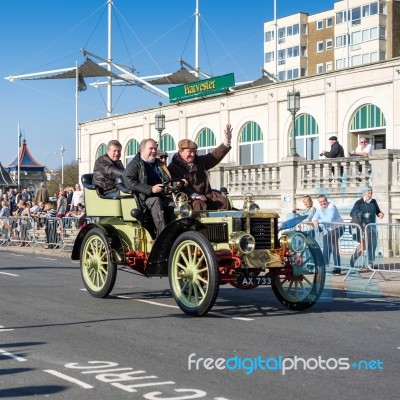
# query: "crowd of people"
[26,210]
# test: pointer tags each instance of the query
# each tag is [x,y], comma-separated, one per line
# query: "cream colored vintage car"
[198,252]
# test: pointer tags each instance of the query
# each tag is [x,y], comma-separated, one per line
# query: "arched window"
[131,150]
[368,117]
[101,150]
[206,141]
[168,145]
[369,121]
[251,149]
[307,137]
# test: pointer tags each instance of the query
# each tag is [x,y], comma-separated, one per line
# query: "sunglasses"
[363,142]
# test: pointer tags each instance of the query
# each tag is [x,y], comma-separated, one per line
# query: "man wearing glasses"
[364,149]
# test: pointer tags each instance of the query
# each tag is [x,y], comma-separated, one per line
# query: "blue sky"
[150,35]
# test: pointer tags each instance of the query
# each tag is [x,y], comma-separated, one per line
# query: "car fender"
[158,259]
[113,238]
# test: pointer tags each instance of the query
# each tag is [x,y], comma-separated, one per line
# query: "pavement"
[358,283]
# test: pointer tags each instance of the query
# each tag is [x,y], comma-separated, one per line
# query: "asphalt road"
[58,342]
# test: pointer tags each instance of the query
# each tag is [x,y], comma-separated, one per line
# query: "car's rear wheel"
[193,273]
[98,271]
[300,286]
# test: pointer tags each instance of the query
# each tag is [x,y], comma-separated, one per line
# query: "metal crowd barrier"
[30,231]
[382,242]
[346,246]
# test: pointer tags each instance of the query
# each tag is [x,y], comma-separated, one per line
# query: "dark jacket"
[135,177]
[105,171]
[336,151]
[364,213]
[197,175]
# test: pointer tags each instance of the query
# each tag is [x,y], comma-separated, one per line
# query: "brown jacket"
[196,174]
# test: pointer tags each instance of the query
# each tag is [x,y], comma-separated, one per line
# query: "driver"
[145,175]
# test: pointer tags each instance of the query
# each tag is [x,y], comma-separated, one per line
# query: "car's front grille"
[264,231]
[216,233]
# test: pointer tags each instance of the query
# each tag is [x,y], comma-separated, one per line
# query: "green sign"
[218,84]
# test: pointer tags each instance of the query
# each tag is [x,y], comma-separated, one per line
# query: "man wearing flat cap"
[336,149]
[186,164]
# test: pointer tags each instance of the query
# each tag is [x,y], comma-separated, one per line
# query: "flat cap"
[163,154]
[224,190]
[333,138]
[187,144]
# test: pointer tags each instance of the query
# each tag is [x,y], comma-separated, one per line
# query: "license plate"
[254,280]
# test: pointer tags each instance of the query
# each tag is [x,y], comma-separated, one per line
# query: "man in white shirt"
[364,149]
[329,216]
[77,197]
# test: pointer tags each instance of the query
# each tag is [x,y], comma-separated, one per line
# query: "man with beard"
[186,164]
[145,175]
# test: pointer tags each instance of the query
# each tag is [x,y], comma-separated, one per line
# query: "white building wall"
[331,98]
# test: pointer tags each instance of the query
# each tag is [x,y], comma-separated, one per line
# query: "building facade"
[353,33]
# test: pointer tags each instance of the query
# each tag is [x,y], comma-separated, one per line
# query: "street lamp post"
[293,105]
[160,124]
[62,151]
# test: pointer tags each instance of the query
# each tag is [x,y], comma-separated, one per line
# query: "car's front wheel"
[193,273]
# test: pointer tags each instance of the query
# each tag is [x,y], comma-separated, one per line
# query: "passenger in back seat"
[107,167]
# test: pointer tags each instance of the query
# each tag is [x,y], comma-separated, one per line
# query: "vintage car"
[198,252]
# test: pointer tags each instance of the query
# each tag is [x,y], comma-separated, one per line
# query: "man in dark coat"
[146,174]
[107,167]
[364,212]
[336,149]
[186,164]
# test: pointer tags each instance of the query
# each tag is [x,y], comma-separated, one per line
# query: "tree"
[71,177]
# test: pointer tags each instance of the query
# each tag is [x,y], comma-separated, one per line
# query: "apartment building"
[354,32]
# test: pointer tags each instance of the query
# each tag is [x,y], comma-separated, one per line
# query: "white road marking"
[156,304]
[68,378]
[17,255]
[211,312]
[8,354]
[7,273]
[2,329]
[47,258]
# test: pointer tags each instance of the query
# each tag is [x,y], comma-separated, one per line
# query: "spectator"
[186,164]
[145,175]
[364,149]
[25,224]
[61,204]
[5,213]
[77,197]
[70,193]
[51,225]
[327,214]
[42,195]
[335,151]
[107,167]
[364,212]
